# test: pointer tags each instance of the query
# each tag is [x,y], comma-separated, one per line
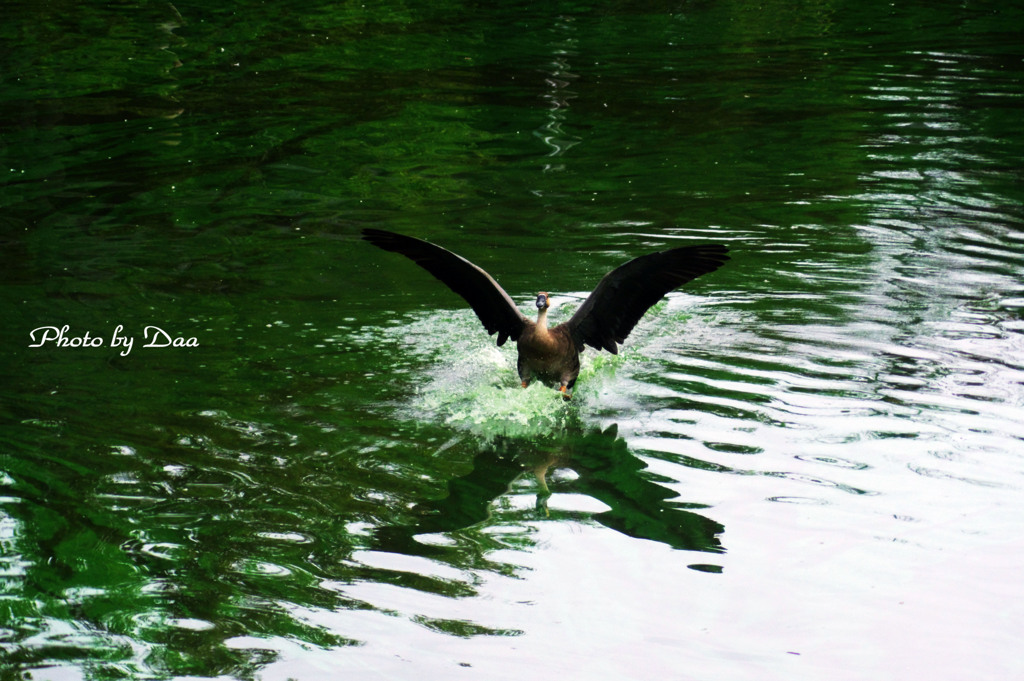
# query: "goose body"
[603,320]
[547,353]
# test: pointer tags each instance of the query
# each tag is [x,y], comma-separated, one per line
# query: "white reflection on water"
[865,461]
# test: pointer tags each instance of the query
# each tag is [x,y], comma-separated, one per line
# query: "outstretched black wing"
[627,292]
[490,302]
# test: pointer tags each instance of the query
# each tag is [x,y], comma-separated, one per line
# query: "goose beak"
[542,301]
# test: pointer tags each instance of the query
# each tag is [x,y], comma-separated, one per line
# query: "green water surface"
[807,465]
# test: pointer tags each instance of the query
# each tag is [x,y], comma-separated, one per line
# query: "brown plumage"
[603,320]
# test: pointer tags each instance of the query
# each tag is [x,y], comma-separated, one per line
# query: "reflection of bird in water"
[638,506]
[603,320]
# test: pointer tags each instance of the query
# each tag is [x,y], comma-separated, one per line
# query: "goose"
[603,321]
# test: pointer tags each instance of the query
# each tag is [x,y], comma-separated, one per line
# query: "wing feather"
[627,292]
[489,301]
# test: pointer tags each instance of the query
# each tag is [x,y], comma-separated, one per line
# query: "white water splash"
[467,382]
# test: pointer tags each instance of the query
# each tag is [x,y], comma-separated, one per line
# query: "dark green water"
[807,465]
